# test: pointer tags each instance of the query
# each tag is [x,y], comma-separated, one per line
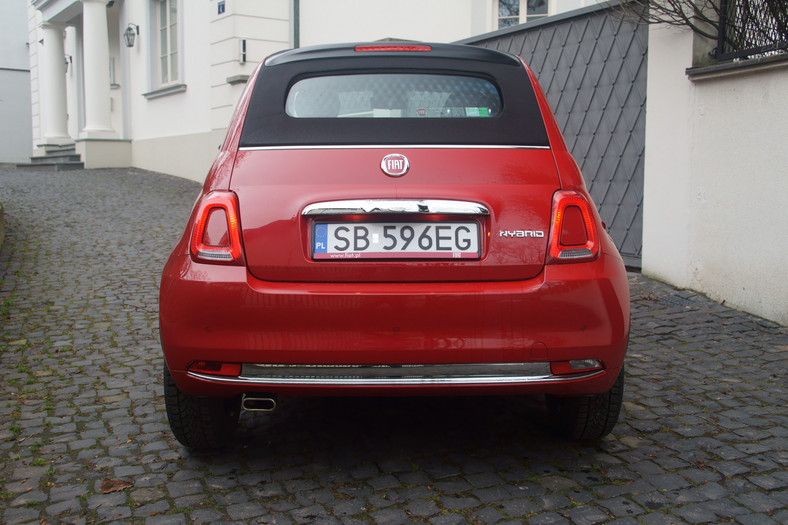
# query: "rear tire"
[588,418]
[200,423]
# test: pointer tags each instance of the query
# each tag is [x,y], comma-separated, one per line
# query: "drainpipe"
[296,23]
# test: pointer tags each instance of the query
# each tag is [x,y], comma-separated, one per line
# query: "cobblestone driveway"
[84,438]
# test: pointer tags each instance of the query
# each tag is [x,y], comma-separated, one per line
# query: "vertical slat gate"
[592,66]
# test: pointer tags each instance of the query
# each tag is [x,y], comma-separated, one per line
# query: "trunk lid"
[275,186]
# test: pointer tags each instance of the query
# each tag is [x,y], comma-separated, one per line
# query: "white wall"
[667,177]
[15,113]
[116,69]
[15,130]
[33,18]
[266,28]
[180,113]
[326,22]
[74,86]
[181,119]
[180,133]
[13,35]
[716,174]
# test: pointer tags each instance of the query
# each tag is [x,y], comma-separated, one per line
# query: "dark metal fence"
[752,28]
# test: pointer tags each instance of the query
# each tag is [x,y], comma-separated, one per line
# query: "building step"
[57,158]
[53,166]
[51,158]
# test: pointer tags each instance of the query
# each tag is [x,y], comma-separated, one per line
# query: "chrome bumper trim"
[380,206]
[396,375]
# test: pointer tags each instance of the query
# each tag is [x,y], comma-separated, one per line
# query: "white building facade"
[15,116]
[164,101]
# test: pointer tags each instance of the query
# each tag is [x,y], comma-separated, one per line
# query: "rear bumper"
[396,338]
[254,374]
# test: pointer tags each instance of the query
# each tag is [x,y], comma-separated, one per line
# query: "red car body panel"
[567,312]
[274,186]
[512,305]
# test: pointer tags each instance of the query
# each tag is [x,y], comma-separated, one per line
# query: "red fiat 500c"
[392,220]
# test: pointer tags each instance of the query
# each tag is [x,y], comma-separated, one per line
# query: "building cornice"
[737,67]
[61,11]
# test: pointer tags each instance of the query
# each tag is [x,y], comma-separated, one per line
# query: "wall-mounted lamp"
[130,34]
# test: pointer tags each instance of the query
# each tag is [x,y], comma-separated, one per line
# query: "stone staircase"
[57,158]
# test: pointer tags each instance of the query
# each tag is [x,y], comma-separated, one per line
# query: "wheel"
[586,418]
[200,423]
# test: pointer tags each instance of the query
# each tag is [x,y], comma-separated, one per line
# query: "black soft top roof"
[519,123]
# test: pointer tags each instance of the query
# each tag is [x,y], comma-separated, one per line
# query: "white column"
[52,86]
[95,42]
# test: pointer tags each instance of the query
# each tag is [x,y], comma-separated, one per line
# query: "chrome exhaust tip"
[258,404]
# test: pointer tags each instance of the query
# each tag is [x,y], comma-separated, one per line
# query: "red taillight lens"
[394,47]
[215,368]
[573,232]
[217,232]
[573,228]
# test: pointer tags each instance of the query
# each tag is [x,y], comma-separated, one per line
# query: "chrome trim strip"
[391,147]
[379,206]
[392,375]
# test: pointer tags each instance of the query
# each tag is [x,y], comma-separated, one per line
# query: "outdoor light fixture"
[130,34]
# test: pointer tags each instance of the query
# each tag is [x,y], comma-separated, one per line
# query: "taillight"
[216,368]
[573,232]
[217,233]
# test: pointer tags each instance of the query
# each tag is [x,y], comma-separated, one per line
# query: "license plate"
[395,240]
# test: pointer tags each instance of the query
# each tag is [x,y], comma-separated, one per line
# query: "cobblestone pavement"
[84,438]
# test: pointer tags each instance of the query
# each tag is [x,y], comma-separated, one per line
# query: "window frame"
[157,87]
[500,18]
[165,27]
[522,15]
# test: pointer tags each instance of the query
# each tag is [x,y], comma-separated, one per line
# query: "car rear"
[393,220]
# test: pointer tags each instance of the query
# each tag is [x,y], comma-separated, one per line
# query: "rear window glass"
[452,96]
[393,95]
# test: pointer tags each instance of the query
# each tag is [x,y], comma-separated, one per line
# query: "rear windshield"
[393,95]
[406,99]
